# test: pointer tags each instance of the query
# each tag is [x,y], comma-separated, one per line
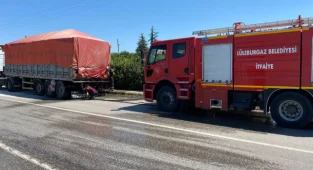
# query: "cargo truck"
[268,66]
[2,77]
[57,63]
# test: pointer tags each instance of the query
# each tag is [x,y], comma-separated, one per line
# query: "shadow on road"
[120,99]
[46,100]
[25,94]
[28,95]
[237,121]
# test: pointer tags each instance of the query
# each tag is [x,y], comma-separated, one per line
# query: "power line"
[68,12]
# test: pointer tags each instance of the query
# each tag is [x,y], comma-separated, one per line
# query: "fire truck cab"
[169,72]
[241,67]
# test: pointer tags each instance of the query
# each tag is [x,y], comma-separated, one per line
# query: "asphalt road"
[126,133]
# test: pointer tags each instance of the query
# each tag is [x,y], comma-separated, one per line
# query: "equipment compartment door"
[217,63]
[179,66]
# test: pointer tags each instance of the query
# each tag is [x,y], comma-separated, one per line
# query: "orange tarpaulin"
[67,48]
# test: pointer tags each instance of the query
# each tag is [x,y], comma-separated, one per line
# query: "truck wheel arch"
[272,93]
[292,109]
[160,84]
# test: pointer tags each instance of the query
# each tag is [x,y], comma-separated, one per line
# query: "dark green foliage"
[128,70]
[142,44]
[153,35]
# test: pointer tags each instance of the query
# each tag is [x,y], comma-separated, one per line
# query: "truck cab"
[2,76]
[169,72]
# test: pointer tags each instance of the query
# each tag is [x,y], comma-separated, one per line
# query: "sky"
[127,19]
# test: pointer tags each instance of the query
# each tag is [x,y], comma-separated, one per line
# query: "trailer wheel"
[46,86]
[9,85]
[291,110]
[39,88]
[61,90]
[167,99]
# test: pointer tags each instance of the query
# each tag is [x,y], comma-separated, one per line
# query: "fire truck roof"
[175,39]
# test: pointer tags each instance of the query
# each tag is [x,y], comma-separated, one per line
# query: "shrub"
[128,70]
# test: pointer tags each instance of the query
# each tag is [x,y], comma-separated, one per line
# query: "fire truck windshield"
[157,53]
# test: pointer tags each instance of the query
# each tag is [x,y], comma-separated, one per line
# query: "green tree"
[129,73]
[153,35]
[142,44]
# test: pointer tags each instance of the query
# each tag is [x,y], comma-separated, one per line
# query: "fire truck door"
[179,59]
[156,66]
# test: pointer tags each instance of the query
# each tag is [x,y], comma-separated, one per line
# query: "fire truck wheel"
[291,110]
[39,88]
[167,99]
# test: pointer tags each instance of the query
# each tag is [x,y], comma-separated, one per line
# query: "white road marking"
[25,157]
[168,127]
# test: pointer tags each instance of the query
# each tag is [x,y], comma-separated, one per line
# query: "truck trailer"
[57,63]
[266,66]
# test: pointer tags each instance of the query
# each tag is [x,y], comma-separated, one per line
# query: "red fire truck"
[266,65]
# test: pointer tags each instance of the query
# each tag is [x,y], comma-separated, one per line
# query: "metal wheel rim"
[167,99]
[290,110]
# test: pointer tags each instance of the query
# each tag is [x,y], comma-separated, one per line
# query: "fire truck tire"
[39,88]
[167,99]
[291,110]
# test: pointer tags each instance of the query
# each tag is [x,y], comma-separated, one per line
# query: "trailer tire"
[39,88]
[167,99]
[48,93]
[61,90]
[9,85]
[3,83]
[291,110]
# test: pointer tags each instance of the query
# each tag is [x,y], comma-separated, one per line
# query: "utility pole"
[118,47]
